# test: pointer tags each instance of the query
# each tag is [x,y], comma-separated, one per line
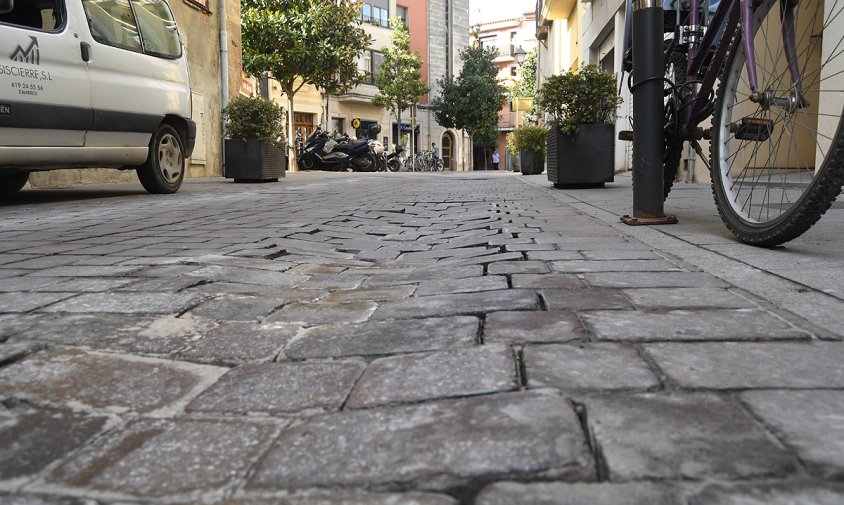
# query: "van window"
[112,23]
[47,15]
[158,28]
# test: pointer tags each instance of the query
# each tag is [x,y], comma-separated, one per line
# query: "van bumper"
[191,140]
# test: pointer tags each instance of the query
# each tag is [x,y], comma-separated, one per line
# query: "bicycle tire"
[801,203]
[673,141]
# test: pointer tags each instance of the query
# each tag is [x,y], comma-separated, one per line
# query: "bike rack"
[648,72]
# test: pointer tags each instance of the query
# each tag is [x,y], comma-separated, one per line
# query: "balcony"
[548,11]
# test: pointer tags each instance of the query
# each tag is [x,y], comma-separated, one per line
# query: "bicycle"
[776,141]
[423,161]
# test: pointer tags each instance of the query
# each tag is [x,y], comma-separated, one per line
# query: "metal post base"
[648,220]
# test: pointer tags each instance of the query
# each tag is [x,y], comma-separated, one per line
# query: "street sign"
[356,123]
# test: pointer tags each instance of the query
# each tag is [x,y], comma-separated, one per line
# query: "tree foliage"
[399,81]
[588,96]
[525,86]
[315,42]
[472,101]
[253,118]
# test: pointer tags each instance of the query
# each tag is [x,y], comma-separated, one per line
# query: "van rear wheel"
[164,169]
[12,182]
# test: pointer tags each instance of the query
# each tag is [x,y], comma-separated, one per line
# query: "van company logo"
[29,55]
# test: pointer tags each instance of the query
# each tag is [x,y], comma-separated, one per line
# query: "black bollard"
[648,140]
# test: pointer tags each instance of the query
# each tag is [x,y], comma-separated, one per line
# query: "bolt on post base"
[643,220]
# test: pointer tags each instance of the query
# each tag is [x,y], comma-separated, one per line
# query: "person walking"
[495,160]
[435,150]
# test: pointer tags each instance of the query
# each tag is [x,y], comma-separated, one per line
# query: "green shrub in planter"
[528,143]
[255,147]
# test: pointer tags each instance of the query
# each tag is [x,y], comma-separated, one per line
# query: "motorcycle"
[337,152]
[394,159]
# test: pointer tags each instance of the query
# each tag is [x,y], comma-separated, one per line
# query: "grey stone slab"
[465,303]
[34,499]
[86,271]
[25,302]
[233,343]
[442,374]
[587,266]
[241,275]
[126,303]
[27,283]
[45,262]
[451,443]
[584,299]
[280,388]
[466,252]
[482,260]
[789,493]
[237,308]
[104,381]
[333,282]
[385,337]
[134,334]
[89,284]
[314,313]
[467,285]
[12,324]
[33,438]
[715,324]
[555,255]
[6,273]
[161,284]
[587,367]
[749,365]
[809,422]
[654,280]
[687,298]
[551,281]
[13,351]
[517,267]
[424,274]
[378,294]
[623,254]
[349,498]
[533,326]
[682,437]
[558,493]
[286,294]
[157,458]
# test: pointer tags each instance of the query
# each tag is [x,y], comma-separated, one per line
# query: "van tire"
[164,170]
[12,182]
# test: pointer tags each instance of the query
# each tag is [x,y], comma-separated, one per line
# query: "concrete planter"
[254,161]
[585,159]
[531,162]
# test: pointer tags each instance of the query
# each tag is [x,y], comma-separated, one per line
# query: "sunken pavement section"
[405,339]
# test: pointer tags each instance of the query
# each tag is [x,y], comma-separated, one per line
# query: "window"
[338,125]
[369,63]
[487,42]
[401,13]
[112,23]
[158,28]
[31,15]
[376,12]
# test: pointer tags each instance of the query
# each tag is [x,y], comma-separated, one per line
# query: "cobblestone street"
[412,339]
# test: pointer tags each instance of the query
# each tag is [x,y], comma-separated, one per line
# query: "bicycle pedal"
[751,128]
[626,135]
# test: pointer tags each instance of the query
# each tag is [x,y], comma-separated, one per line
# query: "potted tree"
[527,142]
[255,145]
[582,110]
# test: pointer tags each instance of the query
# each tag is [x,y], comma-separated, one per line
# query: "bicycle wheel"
[778,161]
[673,141]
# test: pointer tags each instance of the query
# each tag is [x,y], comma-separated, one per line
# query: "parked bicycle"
[776,142]
[423,161]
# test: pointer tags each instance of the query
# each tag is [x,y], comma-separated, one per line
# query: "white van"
[93,83]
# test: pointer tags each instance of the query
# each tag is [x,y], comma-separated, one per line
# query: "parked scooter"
[394,159]
[337,152]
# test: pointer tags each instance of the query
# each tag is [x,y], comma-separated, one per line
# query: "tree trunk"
[471,152]
[486,167]
[291,137]
[398,128]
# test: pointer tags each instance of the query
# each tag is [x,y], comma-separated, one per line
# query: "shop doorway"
[447,150]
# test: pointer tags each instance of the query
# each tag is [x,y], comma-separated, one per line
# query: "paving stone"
[13,351]
[378,294]
[86,271]
[6,273]
[469,285]
[135,334]
[624,254]
[552,280]
[443,374]
[89,284]
[684,437]
[27,283]
[45,262]
[424,274]
[347,498]
[534,326]
[287,294]
[687,298]
[237,308]
[25,302]
[746,365]
[558,493]
[654,280]
[809,422]
[233,343]
[312,314]
[13,324]
[333,282]
[156,458]
[482,260]
[159,284]
[104,381]
[585,266]
[720,324]
[32,499]
[126,303]
[452,443]
[466,303]
[385,337]
[584,299]
[241,275]
[517,267]
[33,438]
[280,388]
[587,366]
[791,493]
[542,255]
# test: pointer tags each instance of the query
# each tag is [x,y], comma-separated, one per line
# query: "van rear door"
[45,92]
